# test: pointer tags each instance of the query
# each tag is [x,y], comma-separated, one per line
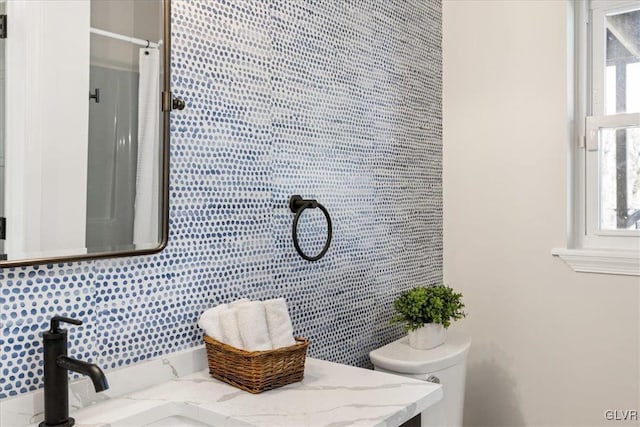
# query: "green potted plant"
[426,313]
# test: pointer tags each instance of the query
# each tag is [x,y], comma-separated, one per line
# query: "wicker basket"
[256,371]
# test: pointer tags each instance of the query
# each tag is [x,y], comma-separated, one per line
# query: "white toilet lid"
[399,357]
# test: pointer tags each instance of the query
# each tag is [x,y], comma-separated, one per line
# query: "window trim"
[625,263]
[586,251]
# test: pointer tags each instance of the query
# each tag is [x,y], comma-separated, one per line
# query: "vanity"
[177,391]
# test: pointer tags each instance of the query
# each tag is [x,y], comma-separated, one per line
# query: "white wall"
[551,346]
[134,18]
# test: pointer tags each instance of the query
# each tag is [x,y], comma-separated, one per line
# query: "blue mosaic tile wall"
[334,100]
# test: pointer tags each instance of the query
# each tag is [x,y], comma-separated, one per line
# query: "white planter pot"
[429,336]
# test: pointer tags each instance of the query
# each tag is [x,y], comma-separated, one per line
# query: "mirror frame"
[166,106]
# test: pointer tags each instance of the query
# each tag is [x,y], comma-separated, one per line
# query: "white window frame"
[590,249]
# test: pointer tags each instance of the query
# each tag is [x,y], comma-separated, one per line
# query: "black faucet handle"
[55,323]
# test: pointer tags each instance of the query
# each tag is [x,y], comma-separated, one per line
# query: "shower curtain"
[146,232]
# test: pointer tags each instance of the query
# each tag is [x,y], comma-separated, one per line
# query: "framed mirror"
[84,129]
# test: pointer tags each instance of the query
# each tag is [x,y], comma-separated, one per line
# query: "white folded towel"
[210,321]
[229,328]
[252,322]
[279,323]
[238,302]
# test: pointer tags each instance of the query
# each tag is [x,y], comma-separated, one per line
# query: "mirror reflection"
[81,127]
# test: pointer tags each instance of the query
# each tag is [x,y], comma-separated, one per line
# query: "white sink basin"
[176,421]
[176,415]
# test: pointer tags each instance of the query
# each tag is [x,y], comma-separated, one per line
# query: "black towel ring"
[297,205]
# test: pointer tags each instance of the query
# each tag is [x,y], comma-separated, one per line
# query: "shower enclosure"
[122,108]
[113,148]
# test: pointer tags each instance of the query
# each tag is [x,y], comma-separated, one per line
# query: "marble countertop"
[331,395]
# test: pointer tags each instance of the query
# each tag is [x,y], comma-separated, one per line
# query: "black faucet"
[56,379]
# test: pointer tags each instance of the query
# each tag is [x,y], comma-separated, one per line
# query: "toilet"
[445,364]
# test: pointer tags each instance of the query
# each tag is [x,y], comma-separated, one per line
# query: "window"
[613,126]
[607,203]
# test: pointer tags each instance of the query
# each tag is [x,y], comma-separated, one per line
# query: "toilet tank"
[445,364]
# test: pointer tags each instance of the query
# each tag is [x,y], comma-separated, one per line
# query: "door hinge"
[3,26]
[3,228]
